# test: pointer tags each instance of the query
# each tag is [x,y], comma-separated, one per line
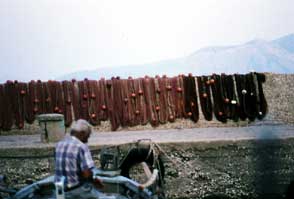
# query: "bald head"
[81,129]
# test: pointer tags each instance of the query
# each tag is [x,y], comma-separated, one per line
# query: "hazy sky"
[42,39]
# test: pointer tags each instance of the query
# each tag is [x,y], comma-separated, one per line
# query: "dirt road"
[164,136]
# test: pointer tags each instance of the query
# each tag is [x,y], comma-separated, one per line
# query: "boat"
[115,173]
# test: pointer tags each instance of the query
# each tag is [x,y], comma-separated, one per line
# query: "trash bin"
[52,127]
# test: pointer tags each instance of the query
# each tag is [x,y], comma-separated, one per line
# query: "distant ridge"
[275,56]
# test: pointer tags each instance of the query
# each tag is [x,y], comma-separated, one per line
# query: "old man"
[73,160]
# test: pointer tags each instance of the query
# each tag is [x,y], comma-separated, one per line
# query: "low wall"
[241,169]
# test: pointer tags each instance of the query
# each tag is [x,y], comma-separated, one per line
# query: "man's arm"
[87,175]
[86,165]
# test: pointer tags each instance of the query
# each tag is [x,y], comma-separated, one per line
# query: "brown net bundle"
[205,97]
[47,102]
[60,97]
[75,99]
[250,96]
[233,98]
[18,106]
[218,103]
[136,101]
[140,112]
[109,105]
[161,101]
[40,98]
[230,97]
[126,104]
[224,96]
[135,95]
[93,102]
[8,106]
[56,100]
[13,99]
[84,100]
[132,95]
[255,104]
[178,94]
[149,90]
[31,110]
[22,92]
[170,100]
[262,104]
[103,113]
[241,91]
[1,106]
[68,98]
[229,101]
[191,103]
[117,102]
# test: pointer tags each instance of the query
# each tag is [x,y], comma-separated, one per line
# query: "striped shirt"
[71,157]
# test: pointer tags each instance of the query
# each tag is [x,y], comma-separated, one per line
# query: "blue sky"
[43,39]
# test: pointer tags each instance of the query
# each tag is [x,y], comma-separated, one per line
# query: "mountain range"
[275,56]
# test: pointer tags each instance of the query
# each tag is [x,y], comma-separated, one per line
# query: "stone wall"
[279,92]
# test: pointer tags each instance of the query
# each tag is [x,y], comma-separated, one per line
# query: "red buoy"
[85,96]
[157,108]
[93,96]
[140,92]
[168,87]
[126,100]
[35,110]
[103,107]
[22,92]
[56,109]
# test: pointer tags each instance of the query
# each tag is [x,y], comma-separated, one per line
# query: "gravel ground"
[248,162]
